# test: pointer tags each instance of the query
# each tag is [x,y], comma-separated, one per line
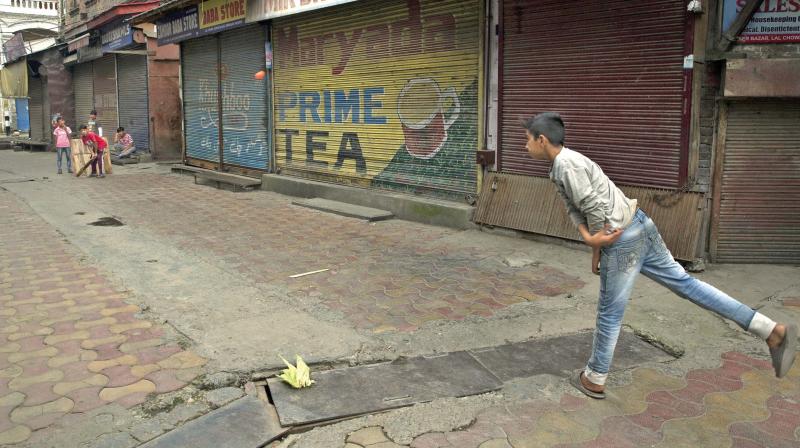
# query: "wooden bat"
[89,145]
[80,171]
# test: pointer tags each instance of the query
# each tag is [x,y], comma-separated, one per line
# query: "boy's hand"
[596,260]
[604,237]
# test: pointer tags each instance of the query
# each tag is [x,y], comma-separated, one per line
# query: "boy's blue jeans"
[66,152]
[641,249]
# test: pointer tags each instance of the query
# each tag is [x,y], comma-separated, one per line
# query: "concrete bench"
[30,145]
[238,182]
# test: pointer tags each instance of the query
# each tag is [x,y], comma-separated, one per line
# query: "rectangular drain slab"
[366,389]
[246,423]
[561,355]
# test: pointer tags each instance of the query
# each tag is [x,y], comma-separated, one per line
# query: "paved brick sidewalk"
[740,404]
[69,342]
[387,276]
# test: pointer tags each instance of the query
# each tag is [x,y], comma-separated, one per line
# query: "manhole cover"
[107,221]
[563,354]
[361,390]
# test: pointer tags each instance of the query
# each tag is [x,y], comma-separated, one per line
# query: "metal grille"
[84,93]
[614,73]
[36,109]
[759,216]
[532,204]
[133,110]
[244,105]
[380,94]
[105,94]
[199,68]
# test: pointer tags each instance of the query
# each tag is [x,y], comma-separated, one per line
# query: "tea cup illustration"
[421,109]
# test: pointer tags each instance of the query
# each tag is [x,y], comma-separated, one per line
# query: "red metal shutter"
[759,218]
[612,69]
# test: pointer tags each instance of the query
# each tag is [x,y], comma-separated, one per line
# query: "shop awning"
[14,79]
[154,13]
[121,10]
[258,10]
[71,59]
[79,42]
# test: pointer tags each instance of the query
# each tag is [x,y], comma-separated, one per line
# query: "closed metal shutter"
[244,107]
[199,69]
[133,110]
[82,79]
[613,70]
[36,109]
[759,218]
[380,94]
[105,94]
[23,115]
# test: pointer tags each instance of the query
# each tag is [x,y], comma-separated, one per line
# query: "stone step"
[344,209]
[216,176]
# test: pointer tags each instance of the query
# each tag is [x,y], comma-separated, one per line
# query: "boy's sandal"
[783,355]
[575,380]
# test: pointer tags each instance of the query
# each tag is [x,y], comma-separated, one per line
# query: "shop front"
[755,217]
[380,94]
[620,75]
[226,109]
[127,96]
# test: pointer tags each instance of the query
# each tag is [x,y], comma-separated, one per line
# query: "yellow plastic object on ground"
[297,376]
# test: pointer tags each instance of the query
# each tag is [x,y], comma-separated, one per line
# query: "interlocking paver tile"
[55,328]
[120,376]
[115,393]
[750,407]
[39,416]
[97,366]
[18,433]
[64,388]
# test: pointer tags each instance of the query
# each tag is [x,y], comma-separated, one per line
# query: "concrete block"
[344,209]
[245,423]
[418,209]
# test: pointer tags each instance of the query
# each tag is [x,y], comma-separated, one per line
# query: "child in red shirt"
[97,145]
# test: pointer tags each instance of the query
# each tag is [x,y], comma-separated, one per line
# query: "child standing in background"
[62,133]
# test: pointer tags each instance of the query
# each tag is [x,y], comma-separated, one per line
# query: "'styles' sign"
[218,15]
[116,37]
[775,21]
[258,10]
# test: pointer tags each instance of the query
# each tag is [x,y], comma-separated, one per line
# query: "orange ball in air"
[260,74]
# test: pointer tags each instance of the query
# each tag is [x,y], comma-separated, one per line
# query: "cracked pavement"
[110,334]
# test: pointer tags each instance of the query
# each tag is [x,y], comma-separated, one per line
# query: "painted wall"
[59,87]
[163,67]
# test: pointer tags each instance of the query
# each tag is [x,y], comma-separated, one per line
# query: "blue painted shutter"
[199,71]
[245,121]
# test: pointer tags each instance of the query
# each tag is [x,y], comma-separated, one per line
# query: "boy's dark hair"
[548,124]
[120,129]
[93,112]
[83,126]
